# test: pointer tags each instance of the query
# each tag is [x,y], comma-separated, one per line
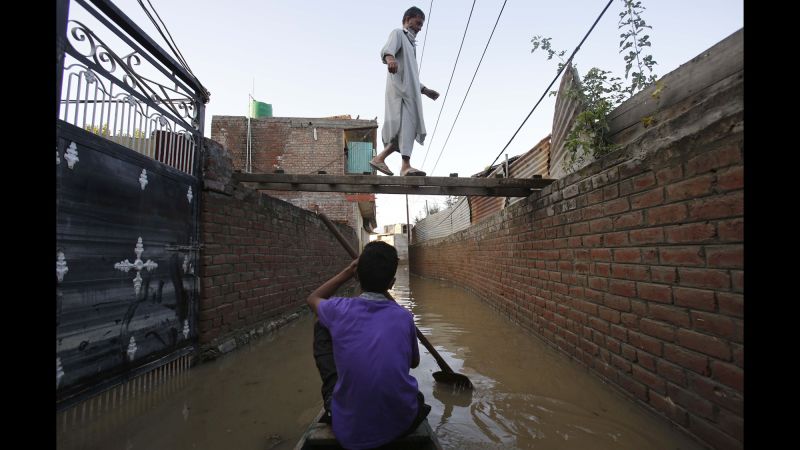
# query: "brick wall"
[261,256]
[294,140]
[633,265]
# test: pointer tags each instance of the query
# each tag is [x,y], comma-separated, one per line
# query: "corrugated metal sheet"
[358,156]
[534,162]
[443,223]
[566,110]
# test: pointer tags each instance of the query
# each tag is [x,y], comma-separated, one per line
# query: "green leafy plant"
[600,92]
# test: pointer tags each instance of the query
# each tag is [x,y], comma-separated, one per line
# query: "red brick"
[650,255]
[595,240]
[682,256]
[663,274]
[694,404]
[669,314]
[716,392]
[667,214]
[727,256]
[655,292]
[731,230]
[643,181]
[737,280]
[687,359]
[690,233]
[717,207]
[619,332]
[728,374]
[712,323]
[671,372]
[622,287]
[610,192]
[691,188]
[628,220]
[714,159]
[731,304]
[601,225]
[621,363]
[705,344]
[601,269]
[650,379]
[647,199]
[630,272]
[609,315]
[645,343]
[704,278]
[732,178]
[657,330]
[615,206]
[600,254]
[669,174]
[616,239]
[617,302]
[595,196]
[694,298]
[646,236]
[646,360]
[627,255]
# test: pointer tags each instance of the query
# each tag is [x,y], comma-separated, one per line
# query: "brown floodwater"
[263,396]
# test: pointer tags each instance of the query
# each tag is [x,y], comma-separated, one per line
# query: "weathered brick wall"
[261,256]
[632,266]
[293,139]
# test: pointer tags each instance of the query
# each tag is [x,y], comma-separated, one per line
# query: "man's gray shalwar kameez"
[403,122]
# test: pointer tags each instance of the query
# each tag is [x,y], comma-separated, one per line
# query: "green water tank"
[260,109]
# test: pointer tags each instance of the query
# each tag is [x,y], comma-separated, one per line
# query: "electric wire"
[441,151]
[554,80]
[424,41]
[448,84]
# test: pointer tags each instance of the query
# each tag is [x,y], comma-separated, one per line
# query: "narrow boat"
[319,435]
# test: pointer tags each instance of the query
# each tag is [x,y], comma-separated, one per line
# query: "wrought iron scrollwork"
[182,104]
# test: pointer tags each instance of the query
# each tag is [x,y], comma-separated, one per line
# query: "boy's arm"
[329,287]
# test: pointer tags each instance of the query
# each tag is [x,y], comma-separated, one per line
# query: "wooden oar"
[446,375]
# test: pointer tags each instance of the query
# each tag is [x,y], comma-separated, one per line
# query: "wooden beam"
[379,189]
[494,187]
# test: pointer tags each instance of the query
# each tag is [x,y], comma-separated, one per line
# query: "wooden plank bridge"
[457,186]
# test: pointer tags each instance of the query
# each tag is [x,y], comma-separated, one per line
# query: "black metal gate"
[127,202]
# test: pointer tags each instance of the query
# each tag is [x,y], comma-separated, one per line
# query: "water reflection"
[263,396]
[526,394]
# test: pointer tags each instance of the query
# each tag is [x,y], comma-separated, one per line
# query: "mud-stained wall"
[634,264]
[261,256]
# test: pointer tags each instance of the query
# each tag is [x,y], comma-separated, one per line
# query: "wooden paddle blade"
[456,379]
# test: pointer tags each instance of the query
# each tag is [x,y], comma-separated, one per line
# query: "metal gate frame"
[95,163]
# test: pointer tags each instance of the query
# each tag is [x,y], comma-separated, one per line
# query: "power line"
[170,42]
[468,89]
[554,80]
[448,84]
[427,30]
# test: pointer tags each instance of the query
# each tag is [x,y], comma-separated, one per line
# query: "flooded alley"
[264,395]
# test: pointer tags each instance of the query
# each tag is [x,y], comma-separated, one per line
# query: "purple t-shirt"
[374,342]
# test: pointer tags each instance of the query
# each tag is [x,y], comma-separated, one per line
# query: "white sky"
[317,58]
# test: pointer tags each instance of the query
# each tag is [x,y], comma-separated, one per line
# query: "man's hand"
[391,63]
[433,95]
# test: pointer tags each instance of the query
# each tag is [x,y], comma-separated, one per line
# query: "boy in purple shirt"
[374,400]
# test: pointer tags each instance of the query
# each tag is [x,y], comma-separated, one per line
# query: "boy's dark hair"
[413,12]
[377,266]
